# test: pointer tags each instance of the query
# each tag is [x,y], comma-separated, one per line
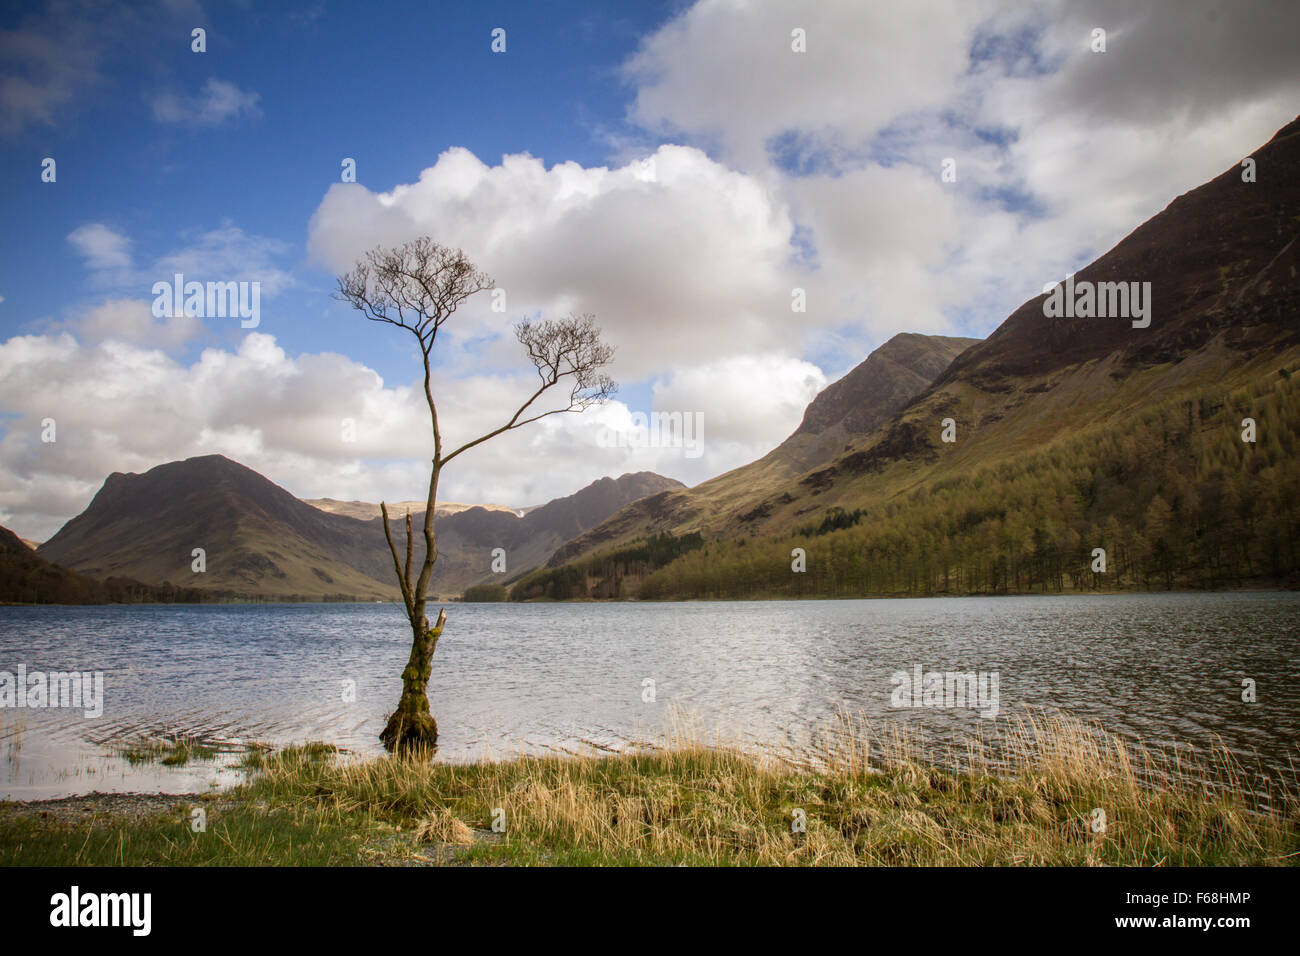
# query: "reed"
[1046,790]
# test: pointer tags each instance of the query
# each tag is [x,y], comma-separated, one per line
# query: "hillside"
[466,540]
[261,542]
[849,408]
[1070,433]
[27,578]
[258,539]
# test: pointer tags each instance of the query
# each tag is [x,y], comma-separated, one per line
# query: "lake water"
[507,678]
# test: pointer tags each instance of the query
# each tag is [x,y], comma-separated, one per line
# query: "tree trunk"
[412,726]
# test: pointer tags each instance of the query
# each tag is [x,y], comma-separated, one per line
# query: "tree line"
[1175,498]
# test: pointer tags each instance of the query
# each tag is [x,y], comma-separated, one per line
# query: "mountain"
[1071,433]
[27,578]
[257,538]
[466,540]
[852,407]
[366,510]
[867,397]
[259,541]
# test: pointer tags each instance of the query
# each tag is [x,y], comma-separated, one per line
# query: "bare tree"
[417,287]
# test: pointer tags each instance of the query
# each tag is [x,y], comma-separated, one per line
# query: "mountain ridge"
[854,404]
[261,541]
[1222,265]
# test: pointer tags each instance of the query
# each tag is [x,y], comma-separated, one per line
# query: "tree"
[417,287]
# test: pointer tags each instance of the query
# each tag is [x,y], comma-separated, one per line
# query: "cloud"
[224,254]
[1183,60]
[49,62]
[218,102]
[677,255]
[324,425]
[735,411]
[132,321]
[102,248]
[227,254]
[865,64]
[1059,151]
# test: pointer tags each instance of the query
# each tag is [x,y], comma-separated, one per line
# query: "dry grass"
[865,795]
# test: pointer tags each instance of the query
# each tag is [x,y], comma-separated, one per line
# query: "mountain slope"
[868,396]
[1045,392]
[466,540]
[258,539]
[1222,263]
[847,409]
[27,578]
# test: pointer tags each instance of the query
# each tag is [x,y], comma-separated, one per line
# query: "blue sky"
[325,90]
[680,170]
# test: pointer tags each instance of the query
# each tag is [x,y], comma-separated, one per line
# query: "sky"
[688,173]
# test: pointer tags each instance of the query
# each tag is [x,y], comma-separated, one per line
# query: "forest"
[1177,497]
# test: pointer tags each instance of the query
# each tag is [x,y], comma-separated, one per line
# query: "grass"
[176,750]
[865,796]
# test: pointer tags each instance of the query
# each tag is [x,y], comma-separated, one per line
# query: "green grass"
[174,751]
[243,835]
[868,797]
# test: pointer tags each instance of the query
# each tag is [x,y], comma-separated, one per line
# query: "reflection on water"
[1163,669]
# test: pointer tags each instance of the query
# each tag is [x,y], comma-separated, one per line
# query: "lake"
[1161,668]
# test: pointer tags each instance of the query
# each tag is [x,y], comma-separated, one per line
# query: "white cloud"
[224,254]
[132,320]
[284,416]
[678,256]
[1060,151]
[725,70]
[102,248]
[217,102]
[735,410]
[227,254]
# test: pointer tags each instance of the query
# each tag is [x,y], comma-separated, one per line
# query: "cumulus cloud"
[324,425]
[678,256]
[132,320]
[735,411]
[217,102]
[1059,151]
[727,72]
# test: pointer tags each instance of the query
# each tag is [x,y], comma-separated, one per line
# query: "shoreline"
[1066,793]
[290,601]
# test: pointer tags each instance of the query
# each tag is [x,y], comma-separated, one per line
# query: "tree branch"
[397,565]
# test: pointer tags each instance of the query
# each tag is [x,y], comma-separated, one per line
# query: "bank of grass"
[866,798]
